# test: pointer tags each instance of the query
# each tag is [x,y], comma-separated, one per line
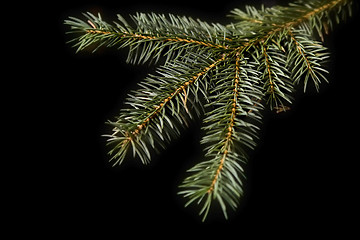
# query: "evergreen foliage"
[227,74]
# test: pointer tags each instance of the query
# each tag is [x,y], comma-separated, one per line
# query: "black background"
[301,179]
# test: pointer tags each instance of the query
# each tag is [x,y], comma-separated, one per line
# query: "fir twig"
[231,72]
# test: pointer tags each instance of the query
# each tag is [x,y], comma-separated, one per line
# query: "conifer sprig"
[227,74]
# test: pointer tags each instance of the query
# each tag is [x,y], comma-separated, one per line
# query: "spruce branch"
[227,74]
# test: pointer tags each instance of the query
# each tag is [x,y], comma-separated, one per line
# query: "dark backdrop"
[300,179]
